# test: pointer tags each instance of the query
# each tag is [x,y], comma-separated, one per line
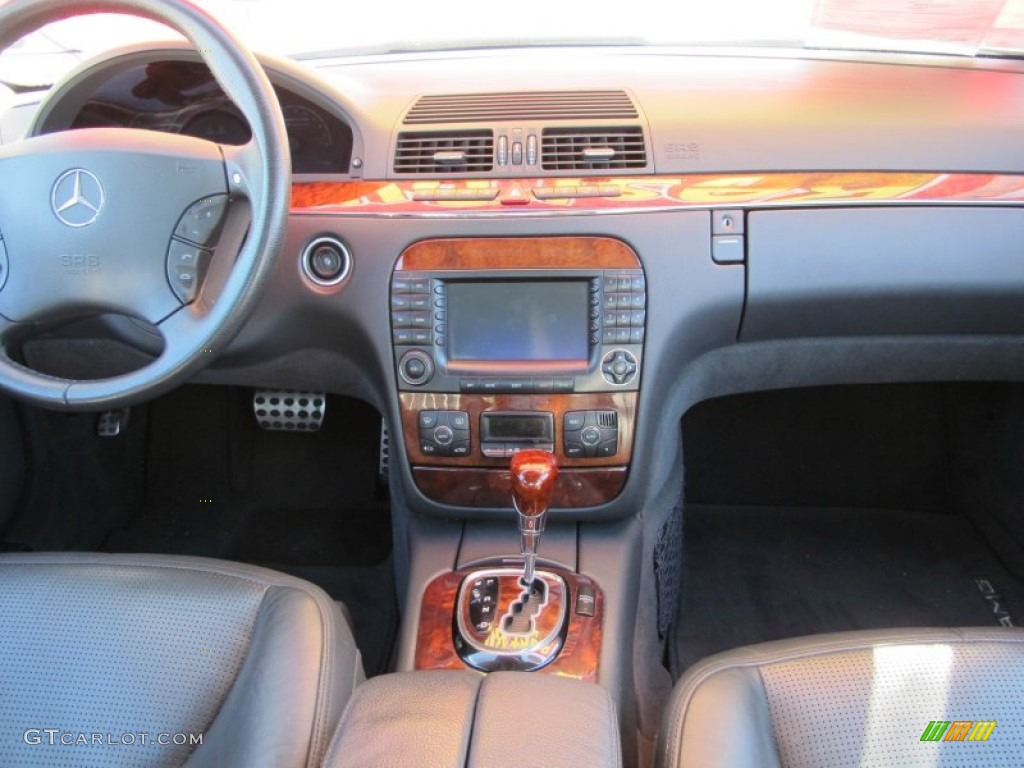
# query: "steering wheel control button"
[619,366]
[590,434]
[200,224]
[416,368]
[186,269]
[444,433]
[77,198]
[326,261]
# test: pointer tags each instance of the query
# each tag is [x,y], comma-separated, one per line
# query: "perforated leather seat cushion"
[851,699]
[116,645]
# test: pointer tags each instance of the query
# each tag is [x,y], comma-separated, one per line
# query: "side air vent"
[518,106]
[444,152]
[592,149]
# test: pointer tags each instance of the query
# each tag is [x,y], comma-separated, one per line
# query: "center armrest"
[456,718]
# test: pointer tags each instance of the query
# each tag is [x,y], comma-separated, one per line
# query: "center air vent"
[519,106]
[591,149]
[444,151]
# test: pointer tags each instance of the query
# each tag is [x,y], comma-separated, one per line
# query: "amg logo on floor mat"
[995,601]
[958,730]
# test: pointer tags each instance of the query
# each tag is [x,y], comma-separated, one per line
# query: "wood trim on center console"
[475,480]
[518,253]
[580,654]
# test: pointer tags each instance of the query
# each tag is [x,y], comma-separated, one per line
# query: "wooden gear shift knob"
[533,480]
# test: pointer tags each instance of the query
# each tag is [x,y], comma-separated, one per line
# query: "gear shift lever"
[533,479]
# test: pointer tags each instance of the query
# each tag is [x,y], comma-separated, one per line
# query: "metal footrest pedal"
[288,410]
[111,423]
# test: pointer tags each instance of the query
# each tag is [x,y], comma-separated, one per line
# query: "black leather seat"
[132,659]
[906,697]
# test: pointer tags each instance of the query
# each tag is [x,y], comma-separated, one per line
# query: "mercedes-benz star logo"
[77,197]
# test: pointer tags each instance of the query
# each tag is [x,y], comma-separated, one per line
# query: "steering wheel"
[114,220]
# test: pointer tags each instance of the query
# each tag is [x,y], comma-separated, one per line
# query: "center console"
[506,344]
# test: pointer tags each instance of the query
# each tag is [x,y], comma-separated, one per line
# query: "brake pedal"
[288,410]
[111,423]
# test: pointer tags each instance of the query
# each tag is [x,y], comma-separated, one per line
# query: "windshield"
[312,27]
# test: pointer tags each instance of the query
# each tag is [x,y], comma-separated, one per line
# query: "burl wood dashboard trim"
[659,192]
[473,487]
[478,481]
[411,403]
[578,659]
[518,253]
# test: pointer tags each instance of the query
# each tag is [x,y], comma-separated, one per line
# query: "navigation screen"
[518,320]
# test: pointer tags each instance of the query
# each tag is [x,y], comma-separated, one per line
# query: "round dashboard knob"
[590,435]
[416,367]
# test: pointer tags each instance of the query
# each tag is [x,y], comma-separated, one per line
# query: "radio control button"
[608,335]
[590,436]
[399,286]
[419,285]
[573,420]
[619,366]
[574,451]
[440,329]
[419,319]
[622,336]
[637,317]
[610,301]
[440,302]
[443,435]
[637,301]
[440,315]
[415,367]
[622,300]
[622,318]
[419,302]
[470,385]
[420,337]
[401,319]
[460,448]
[563,384]
[493,450]
[400,301]
[638,284]
[636,335]
[490,385]
[403,336]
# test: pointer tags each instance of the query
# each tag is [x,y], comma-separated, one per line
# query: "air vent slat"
[585,149]
[532,105]
[444,152]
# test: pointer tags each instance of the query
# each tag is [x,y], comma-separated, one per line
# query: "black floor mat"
[753,574]
[217,485]
[193,474]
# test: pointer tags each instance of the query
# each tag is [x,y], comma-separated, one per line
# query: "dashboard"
[181,96]
[500,257]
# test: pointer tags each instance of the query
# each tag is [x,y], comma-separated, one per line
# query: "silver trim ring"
[77,198]
[307,252]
